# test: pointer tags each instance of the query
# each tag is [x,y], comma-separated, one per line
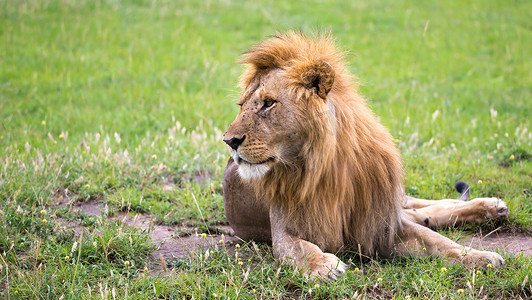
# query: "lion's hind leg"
[418,240]
[461,186]
[447,212]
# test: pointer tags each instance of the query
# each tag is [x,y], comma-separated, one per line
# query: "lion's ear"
[317,76]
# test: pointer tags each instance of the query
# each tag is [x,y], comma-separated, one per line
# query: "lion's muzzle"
[234,142]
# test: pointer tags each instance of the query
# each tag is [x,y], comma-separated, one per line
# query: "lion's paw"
[327,266]
[476,258]
[493,208]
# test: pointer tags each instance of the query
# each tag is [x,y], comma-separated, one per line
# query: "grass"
[124,103]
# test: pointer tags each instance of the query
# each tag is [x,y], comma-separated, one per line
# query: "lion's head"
[307,142]
[283,104]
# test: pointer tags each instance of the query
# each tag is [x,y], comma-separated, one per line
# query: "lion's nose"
[234,142]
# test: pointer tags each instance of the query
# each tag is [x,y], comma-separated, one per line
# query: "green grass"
[125,102]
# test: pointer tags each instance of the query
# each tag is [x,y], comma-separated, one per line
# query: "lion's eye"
[269,103]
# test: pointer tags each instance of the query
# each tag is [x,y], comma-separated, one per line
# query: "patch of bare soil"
[168,241]
[170,244]
[506,242]
[90,208]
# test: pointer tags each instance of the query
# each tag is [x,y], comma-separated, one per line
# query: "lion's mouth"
[239,160]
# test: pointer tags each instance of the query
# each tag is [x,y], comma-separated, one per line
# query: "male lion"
[310,159]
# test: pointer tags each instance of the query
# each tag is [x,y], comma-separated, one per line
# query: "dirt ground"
[171,245]
[169,240]
[505,242]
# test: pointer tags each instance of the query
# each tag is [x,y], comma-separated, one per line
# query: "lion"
[314,172]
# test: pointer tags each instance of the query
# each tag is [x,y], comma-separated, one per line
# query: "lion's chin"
[252,171]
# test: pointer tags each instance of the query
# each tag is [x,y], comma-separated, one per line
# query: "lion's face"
[265,131]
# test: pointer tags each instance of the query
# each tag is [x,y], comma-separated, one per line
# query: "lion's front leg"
[304,255]
[415,239]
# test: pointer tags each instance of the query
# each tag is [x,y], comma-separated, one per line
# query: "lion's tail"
[463,188]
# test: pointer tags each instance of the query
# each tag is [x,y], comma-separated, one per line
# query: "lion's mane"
[346,187]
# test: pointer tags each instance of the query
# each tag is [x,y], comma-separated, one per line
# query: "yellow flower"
[203,235]
[424,249]
[126,263]
[239,263]
[43,123]
[512,157]
[460,291]
[489,266]
[67,257]
[44,220]
[478,272]
[357,269]
[154,156]
[61,136]
[237,246]
[170,138]
[379,279]
[43,211]
[221,241]
[87,186]
[253,290]
[444,269]
[214,295]
[479,181]
[316,286]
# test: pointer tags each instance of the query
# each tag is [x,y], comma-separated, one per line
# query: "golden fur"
[341,181]
[326,174]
